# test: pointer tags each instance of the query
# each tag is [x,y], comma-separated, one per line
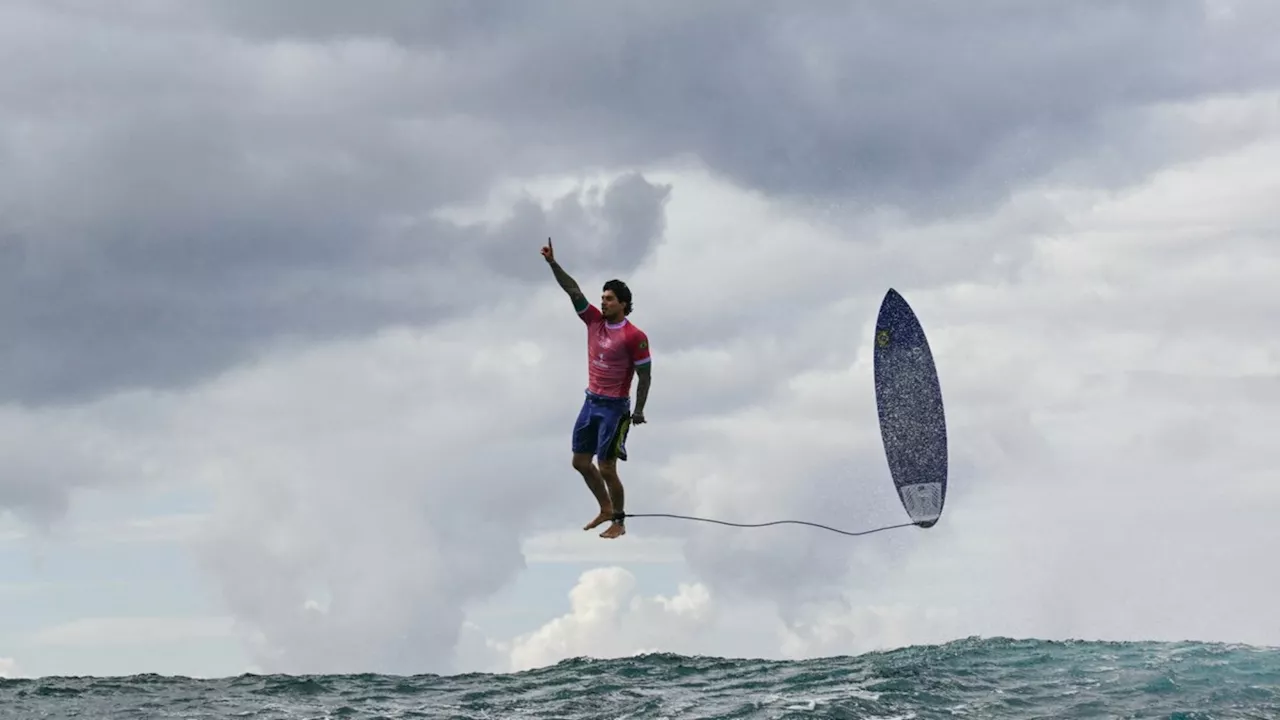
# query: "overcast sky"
[287,387]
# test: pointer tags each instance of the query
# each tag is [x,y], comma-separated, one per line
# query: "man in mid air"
[617,351]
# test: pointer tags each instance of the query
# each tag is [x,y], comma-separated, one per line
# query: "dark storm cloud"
[609,228]
[163,306]
[182,184]
[174,202]
[935,107]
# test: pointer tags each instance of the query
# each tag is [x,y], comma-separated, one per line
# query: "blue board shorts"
[601,427]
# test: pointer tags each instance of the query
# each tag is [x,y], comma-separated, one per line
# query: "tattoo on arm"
[642,389]
[569,284]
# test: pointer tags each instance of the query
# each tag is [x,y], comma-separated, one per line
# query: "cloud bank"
[286,257]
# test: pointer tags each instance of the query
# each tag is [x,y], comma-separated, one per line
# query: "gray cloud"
[1104,394]
[189,187]
[356,538]
[222,195]
[601,229]
[869,103]
[210,176]
[155,303]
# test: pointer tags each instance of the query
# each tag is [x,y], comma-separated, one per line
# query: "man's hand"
[637,417]
[562,277]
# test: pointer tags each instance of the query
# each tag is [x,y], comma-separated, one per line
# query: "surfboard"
[913,424]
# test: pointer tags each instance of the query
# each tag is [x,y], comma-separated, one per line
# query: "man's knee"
[609,467]
[582,462]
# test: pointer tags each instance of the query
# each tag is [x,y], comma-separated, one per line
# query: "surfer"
[617,352]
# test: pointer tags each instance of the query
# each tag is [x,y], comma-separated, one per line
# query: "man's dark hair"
[620,291]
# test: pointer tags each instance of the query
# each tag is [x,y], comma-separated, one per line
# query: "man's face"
[609,305]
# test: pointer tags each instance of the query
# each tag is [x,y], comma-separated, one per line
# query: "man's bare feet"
[617,529]
[604,515]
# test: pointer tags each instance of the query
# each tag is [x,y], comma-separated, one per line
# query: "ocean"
[972,678]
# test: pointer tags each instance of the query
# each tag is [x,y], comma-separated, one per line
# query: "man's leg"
[614,448]
[609,473]
[586,436]
[582,463]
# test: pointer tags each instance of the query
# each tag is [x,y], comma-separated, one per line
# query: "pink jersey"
[613,352]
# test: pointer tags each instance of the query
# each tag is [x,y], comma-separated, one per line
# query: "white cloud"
[370,473]
[9,668]
[1108,394]
[118,631]
[166,528]
[365,473]
[608,619]
[578,547]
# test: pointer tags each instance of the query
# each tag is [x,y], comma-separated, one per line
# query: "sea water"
[974,678]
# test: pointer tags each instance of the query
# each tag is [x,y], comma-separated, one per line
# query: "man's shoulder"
[638,341]
[589,313]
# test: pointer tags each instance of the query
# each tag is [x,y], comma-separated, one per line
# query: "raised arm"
[569,284]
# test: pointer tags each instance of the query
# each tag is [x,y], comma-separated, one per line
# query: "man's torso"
[612,353]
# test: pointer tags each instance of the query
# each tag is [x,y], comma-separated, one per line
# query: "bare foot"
[617,529]
[604,515]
